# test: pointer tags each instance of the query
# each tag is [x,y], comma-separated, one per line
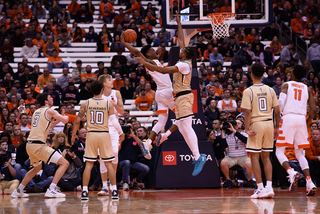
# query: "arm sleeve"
[183,67]
[241,137]
[116,123]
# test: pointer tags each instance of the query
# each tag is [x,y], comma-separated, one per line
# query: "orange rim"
[218,18]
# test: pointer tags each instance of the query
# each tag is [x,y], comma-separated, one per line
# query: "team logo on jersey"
[98,103]
[261,89]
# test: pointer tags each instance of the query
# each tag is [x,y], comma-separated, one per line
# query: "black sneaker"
[115,195]
[253,184]
[229,184]
[84,195]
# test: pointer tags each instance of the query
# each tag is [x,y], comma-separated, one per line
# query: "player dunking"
[98,111]
[182,73]
[37,149]
[115,97]
[257,102]
[293,101]
[164,94]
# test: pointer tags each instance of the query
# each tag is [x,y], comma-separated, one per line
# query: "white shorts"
[165,100]
[293,132]
[115,143]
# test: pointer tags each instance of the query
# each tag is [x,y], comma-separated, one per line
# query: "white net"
[220,23]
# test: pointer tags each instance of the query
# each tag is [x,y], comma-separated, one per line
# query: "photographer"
[128,156]
[71,179]
[7,172]
[219,145]
[236,152]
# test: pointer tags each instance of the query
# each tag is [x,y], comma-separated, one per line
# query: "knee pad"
[162,120]
[280,154]
[302,159]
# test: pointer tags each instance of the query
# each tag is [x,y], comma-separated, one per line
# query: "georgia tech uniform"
[98,136]
[36,147]
[182,90]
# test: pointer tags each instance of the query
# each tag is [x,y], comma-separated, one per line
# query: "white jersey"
[163,81]
[297,99]
[112,98]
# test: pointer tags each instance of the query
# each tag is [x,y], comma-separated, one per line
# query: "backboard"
[249,13]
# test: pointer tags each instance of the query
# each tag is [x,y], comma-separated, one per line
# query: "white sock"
[113,187]
[85,188]
[105,185]
[21,187]
[168,133]
[269,185]
[260,185]
[52,186]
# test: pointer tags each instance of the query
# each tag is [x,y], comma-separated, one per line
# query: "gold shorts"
[263,140]
[184,105]
[98,142]
[39,152]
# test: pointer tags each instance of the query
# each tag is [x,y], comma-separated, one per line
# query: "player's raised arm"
[151,67]
[76,124]
[180,32]
[132,49]
[283,96]
[312,105]
[59,117]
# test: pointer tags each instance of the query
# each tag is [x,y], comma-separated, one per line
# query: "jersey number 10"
[96,117]
[297,94]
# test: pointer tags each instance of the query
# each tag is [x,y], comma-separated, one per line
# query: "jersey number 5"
[97,118]
[297,94]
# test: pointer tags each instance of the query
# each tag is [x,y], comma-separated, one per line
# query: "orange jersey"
[73,9]
[25,13]
[117,85]
[250,38]
[106,9]
[15,141]
[72,117]
[143,103]
[52,59]
[134,6]
[275,48]
[11,105]
[87,76]
[29,101]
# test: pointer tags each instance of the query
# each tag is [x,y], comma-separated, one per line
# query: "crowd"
[221,87]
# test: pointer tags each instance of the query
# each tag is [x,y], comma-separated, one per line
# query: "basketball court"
[167,201]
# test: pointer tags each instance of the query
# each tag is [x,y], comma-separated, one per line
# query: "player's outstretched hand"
[251,133]
[276,133]
[177,17]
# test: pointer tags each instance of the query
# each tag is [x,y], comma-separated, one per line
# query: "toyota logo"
[169,158]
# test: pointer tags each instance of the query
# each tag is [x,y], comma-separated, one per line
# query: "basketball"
[130,36]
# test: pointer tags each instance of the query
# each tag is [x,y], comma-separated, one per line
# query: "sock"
[260,185]
[269,185]
[113,187]
[290,171]
[21,187]
[52,186]
[168,133]
[105,185]
[85,188]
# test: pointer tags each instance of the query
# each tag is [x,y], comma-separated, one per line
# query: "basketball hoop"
[220,23]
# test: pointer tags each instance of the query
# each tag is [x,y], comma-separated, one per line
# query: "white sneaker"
[125,187]
[311,188]
[260,193]
[18,194]
[103,192]
[294,178]
[270,192]
[54,194]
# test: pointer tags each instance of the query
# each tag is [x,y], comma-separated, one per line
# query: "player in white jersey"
[164,94]
[293,133]
[115,97]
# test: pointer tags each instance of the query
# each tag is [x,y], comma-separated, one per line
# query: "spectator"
[313,56]
[63,80]
[316,37]
[14,91]
[13,102]
[44,78]
[227,105]
[53,93]
[236,154]
[50,46]
[29,51]
[143,39]
[116,44]
[32,88]
[117,83]
[207,52]
[64,15]
[297,24]
[25,77]
[29,99]
[309,31]
[241,58]
[285,56]
[277,86]
[70,112]
[88,75]
[127,91]
[25,11]
[104,40]
[81,143]
[31,33]
[269,80]
[215,58]
[38,11]
[78,35]
[143,102]
[56,62]
[78,71]
[134,6]
[56,87]
[255,43]
[219,145]
[17,39]
[268,33]
[71,95]
[149,92]
[107,10]
[166,34]
[275,46]
[38,42]
[251,37]
[7,182]
[286,14]
[313,155]
[91,36]
[118,18]
[232,46]
[211,113]
[164,54]
[24,122]
[160,39]
[64,39]
[16,136]
[151,19]
[73,8]
[83,15]
[85,92]
[266,57]
[128,155]
[228,38]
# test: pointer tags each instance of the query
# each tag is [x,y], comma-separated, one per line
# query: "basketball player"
[182,73]
[37,149]
[97,111]
[257,102]
[164,94]
[115,97]
[293,101]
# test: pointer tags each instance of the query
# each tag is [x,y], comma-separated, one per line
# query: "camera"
[3,159]
[73,148]
[226,126]
[126,129]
